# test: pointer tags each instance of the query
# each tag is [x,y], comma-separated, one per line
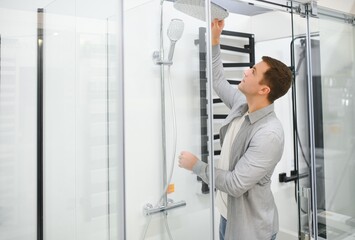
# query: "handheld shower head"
[175,30]
[196,9]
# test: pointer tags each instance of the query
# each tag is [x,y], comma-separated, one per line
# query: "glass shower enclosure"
[93,114]
[60,120]
[324,84]
[162,118]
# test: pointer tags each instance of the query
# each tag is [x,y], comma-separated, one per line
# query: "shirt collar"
[259,114]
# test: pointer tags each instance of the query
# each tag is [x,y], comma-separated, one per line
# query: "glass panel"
[81,104]
[18,121]
[59,98]
[334,110]
[147,167]
[332,54]
[257,20]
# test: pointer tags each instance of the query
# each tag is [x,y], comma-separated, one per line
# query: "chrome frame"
[121,190]
[210,112]
[313,222]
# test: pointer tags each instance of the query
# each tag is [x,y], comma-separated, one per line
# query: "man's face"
[250,85]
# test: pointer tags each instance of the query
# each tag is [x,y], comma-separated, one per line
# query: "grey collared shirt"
[257,148]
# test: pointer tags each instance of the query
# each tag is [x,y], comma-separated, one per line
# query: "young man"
[252,142]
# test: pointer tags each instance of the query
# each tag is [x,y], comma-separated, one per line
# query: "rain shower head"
[196,9]
[175,29]
[243,8]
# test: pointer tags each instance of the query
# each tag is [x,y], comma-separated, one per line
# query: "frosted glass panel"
[81,114]
[18,205]
[60,180]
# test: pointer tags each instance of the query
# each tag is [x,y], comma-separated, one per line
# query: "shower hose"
[172,101]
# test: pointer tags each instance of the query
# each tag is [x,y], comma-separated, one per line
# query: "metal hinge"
[313,8]
[350,20]
[310,8]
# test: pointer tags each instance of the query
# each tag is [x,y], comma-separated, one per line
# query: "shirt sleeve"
[229,94]
[264,152]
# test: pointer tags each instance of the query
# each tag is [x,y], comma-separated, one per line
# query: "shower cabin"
[97,99]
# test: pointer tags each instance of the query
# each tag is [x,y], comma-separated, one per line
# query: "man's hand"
[216,30]
[187,160]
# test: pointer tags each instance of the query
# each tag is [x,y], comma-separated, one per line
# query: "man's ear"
[264,90]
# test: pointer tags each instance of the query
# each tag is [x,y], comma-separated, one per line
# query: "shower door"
[326,134]
[81,121]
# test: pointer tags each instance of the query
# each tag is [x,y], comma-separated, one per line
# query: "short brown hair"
[278,77]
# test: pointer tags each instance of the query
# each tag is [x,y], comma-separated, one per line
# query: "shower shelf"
[245,50]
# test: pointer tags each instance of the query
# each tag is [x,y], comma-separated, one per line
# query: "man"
[252,142]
